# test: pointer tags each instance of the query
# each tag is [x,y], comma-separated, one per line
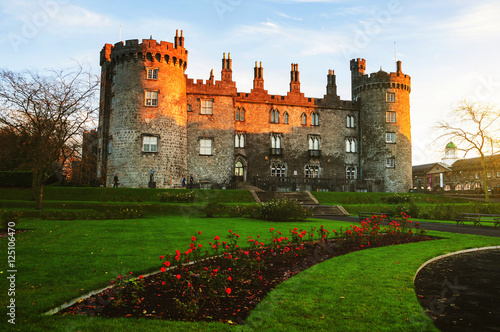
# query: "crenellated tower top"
[148,50]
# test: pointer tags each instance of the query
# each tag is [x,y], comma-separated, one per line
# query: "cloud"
[288,16]
[478,22]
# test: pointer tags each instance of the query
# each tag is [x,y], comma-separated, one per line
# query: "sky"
[450,48]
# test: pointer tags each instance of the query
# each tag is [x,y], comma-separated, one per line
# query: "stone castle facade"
[152,116]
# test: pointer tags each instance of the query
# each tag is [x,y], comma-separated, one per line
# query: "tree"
[50,111]
[473,131]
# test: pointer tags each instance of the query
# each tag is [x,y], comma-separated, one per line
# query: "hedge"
[16,179]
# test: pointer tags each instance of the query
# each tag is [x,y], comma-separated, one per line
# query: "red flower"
[140,277]
[167,263]
[199,245]
[228,291]
[161,257]
[163,269]
[216,238]
[177,258]
[199,232]
[163,282]
[229,278]
[178,276]
[229,231]
[193,238]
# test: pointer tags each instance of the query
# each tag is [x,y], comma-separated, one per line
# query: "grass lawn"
[367,290]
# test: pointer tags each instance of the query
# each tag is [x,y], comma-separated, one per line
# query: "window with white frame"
[390,162]
[278,170]
[304,119]
[314,143]
[350,122]
[311,171]
[152,73]
[276,144]
[239,140]
[390,117]
[458,187]
[447,187]
[467,186]
[206,146]
[151,98]
[285,116]
[207,106]
[351,172]
[350,145]
[315,119]
[390,97]
[390,137]
[149,144]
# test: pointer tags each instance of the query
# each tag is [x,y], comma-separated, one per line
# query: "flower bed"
[225,282]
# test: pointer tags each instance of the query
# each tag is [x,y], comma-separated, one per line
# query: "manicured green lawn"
[367,290]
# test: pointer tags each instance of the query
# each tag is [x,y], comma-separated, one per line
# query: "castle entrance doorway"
[239,171]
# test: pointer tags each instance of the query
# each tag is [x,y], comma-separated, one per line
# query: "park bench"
[477,219]
[367,215]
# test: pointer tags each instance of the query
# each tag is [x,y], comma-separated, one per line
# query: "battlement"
[380,79]
[148,50]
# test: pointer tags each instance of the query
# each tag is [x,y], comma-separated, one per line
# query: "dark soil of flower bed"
[462,292]
[159,302]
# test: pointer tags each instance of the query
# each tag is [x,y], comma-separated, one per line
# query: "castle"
[153,117]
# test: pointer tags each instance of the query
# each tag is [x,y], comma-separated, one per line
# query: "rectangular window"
[278,170]
[189,108]
[151,98]
[390,117]
[276,145]
[152,73]
[390,97]
[390,163]
[390,137]
[312,171]
[206,146]
[207,106]
[150,144]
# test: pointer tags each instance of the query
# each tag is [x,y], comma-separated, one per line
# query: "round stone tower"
[384,125]
[143,113]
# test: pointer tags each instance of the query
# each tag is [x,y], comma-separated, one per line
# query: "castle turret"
[143,112]
[385,130]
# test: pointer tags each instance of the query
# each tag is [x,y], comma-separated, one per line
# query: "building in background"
[152,116]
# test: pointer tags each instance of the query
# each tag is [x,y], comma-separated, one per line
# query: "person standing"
[183,181]
[115,181]
[191,181]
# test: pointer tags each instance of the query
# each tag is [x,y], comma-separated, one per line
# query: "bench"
[367,215]
[478,219]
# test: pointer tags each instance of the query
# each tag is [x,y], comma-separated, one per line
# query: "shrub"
[177,197]
[214,209]
[281,210]
[410,209]
[9,217]
[397,199]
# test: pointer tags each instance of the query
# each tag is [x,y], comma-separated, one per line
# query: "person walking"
[183,181]
[115,180]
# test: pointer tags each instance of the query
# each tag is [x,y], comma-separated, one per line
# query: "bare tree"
[473,131]
[51,110]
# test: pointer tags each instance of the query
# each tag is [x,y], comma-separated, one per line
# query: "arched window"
[467,186]
[315,119]
[275,116]
[238,168]
[285,115]
[351,172]
[304,119]
[311,171]
[350,144]
[276,144]
[242,114]
[239,140]
[350,122]
[278,170]
[458,187]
